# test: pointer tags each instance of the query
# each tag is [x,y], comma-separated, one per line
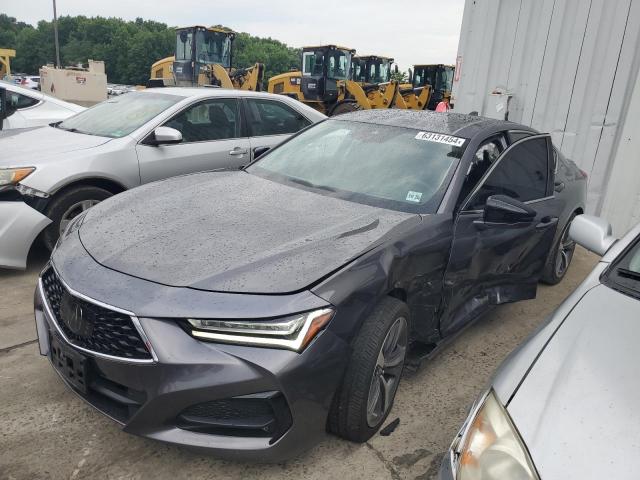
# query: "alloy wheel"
[386,373]
[75,210]
[566,247]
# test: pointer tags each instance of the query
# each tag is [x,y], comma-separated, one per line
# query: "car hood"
[30,146]
[233,232]
[577,409]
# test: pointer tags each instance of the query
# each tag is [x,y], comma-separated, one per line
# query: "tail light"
[583,174]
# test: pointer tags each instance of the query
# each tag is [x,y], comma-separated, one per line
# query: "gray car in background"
[564,405]
[50,174]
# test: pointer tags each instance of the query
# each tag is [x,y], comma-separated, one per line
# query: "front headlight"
[490,447]
[293,332]
[11,176]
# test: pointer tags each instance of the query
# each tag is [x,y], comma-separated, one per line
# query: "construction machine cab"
[323,68]
[372,69]
[439,76]
[197,48]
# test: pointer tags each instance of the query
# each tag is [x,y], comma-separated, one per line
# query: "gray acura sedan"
[565,403]
[251,311]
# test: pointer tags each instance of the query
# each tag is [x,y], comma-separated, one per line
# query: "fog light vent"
[259,415]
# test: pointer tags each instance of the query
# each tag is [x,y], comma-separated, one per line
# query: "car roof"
[195,92]
[449,123]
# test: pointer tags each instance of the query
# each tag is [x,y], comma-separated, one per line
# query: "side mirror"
[395,68]
[504,210]
[410,75]
[165,136]
[593,233]
[259,151]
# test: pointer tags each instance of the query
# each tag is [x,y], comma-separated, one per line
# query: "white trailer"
[567,67]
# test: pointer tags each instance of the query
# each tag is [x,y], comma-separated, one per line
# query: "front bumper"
[149,399]
[19,226]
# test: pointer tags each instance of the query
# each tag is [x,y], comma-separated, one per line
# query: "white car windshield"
[120,116]
[389,167]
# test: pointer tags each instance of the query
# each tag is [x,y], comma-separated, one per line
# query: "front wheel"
[372,377]
[68,204]
[345,107]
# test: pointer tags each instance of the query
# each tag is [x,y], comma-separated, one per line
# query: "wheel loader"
[203,57]
[429,84]
[325,82]
[370,69]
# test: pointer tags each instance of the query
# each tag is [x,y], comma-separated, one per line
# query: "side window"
[515,135]
[215,119]
[18,101]
[487,153]
[521,174]
[269,117]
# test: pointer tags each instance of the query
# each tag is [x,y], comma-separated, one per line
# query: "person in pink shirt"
[444,106]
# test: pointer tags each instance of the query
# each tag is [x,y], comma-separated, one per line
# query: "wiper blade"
[625,272]
[67,129]
[306,183]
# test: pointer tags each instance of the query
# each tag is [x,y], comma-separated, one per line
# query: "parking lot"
[47,432]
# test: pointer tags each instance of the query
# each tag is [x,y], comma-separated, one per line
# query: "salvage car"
[51,174]
[564,404]
[23,107]
[248,312]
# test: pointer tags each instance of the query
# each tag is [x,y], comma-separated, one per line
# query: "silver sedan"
[48,175]
[565,403]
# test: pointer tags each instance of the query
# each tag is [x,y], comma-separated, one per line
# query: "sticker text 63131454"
[440,138]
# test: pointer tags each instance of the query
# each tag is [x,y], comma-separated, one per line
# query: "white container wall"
[567,67]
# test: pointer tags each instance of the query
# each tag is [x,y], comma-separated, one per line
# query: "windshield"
[213,47]
[378,165]
[184,39]
[379,71]
[624,273]
[338,63]
[121,115]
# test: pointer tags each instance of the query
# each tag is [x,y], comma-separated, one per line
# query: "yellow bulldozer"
[325,82]
[437,78]
[203,57]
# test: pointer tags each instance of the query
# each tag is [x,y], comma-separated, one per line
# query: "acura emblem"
[73,316]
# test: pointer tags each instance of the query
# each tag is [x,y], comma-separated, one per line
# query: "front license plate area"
[70,364]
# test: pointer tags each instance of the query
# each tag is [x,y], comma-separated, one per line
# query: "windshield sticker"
[414,196]
[440,138]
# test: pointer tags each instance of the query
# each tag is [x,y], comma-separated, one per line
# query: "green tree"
[128,48]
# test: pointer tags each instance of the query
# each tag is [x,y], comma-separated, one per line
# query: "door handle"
[238,151]
[547,222]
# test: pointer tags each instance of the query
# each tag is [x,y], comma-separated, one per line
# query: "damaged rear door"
[503,234]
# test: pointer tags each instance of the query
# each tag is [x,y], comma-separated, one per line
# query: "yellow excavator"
[428,85]
[203,57]
[325,82]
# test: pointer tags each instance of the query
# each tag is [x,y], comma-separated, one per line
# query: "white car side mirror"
[166,135]
[593,233]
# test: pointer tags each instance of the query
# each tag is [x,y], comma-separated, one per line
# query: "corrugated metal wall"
[571,66]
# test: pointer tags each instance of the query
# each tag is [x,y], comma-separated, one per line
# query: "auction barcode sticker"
[440,138]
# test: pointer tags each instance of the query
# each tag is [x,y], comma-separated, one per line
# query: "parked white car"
[23,107]
[49,175]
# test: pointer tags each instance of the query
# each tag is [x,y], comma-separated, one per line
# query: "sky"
[423,31]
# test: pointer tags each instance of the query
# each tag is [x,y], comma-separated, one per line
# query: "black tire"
[350,413]
[61,204]
[345,107]
[562,252]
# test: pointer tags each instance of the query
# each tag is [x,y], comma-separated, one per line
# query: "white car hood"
[33,146]
[578,409]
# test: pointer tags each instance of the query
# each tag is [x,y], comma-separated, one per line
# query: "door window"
[269,117]
[18,101]
[487,153]
[215,119]
[521,174]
